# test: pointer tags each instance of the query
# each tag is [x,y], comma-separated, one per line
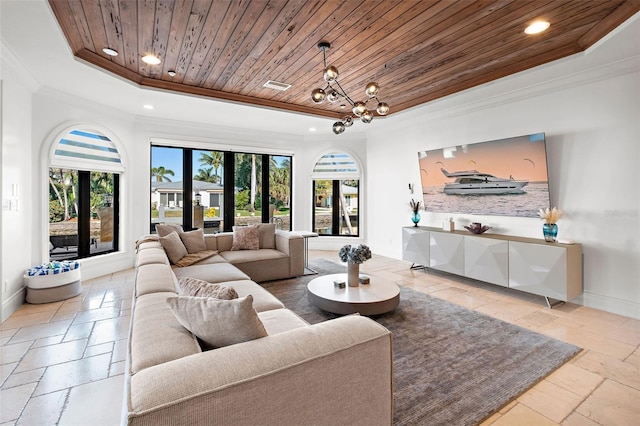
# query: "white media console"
[551,270]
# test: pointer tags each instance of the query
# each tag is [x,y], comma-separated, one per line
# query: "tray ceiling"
[417,51]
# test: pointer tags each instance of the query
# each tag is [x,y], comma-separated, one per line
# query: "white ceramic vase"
[353,274]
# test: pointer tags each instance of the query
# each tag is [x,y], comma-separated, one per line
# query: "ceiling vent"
[276,85]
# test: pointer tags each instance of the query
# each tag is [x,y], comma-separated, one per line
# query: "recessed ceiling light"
[109,51]
[151,59]
[171,73]
[312,129]
[147,106]
[537,27]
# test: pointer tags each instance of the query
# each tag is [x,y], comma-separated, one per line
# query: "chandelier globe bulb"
[318,95]
[359,108]
[366,117]
[383,108]
[338,127]
[372,89]
[347,121]
[332,96]
[330,74]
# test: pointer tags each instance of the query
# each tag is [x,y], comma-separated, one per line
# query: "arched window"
[336,195]
[84,179]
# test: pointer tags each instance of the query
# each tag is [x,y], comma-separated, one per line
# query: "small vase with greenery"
[354,256]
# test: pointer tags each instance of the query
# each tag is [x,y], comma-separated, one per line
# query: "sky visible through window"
[171,158]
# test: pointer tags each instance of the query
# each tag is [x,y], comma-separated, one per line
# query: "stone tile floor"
[62,363]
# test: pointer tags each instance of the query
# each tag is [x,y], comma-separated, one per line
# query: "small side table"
[306,235]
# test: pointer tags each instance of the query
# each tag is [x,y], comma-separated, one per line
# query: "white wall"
[16,217]
[591,119]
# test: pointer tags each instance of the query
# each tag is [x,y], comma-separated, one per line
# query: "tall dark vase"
[550,231]
[415,218]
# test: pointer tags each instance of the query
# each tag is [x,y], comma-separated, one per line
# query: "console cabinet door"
[487,260]
[446,252]
[539,269]
[415,245]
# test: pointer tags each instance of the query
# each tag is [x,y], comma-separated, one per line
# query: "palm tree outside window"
[221,205]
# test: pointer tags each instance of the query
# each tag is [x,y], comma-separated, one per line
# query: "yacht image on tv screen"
[474,182]
[506,177]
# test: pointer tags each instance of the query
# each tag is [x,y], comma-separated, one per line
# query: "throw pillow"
[165,229]
[246,238]
[172,245]
[199,288]
[193,240]
[267,233]
[218,323]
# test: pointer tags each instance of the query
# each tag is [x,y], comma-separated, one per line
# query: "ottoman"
[53,281]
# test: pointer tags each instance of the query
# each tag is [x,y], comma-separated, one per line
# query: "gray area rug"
[452,366]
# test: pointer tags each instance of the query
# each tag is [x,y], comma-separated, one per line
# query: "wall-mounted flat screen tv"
[506,177]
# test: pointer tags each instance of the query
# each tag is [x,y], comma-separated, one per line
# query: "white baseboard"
[610,304]
[13,303]
[93,267]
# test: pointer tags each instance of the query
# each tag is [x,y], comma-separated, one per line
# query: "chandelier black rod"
[344,94]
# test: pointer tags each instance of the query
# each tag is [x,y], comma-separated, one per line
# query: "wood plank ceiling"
[416,50]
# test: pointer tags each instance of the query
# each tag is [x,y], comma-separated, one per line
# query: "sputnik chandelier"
[333,94]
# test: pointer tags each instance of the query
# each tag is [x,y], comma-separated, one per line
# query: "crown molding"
[11,61]
[458,105]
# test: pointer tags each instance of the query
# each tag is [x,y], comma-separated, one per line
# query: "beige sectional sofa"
[335,372]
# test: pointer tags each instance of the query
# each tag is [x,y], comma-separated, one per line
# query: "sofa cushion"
[262,299]
[173,246]
[154,278]
[224,241]
[193,241]
[240,256]
[213,273]
[195,287]
[267,235]
[165,229]
[278,320]
[146,239]
[218,323]
[192,258]
[211,241]
[156,335]
[265,265]
[246,238]
[149,244]
[152,255]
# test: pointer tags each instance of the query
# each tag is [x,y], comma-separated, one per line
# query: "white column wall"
[16,216]
[314,148]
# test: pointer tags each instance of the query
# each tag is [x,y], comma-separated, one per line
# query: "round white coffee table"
[376,298]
